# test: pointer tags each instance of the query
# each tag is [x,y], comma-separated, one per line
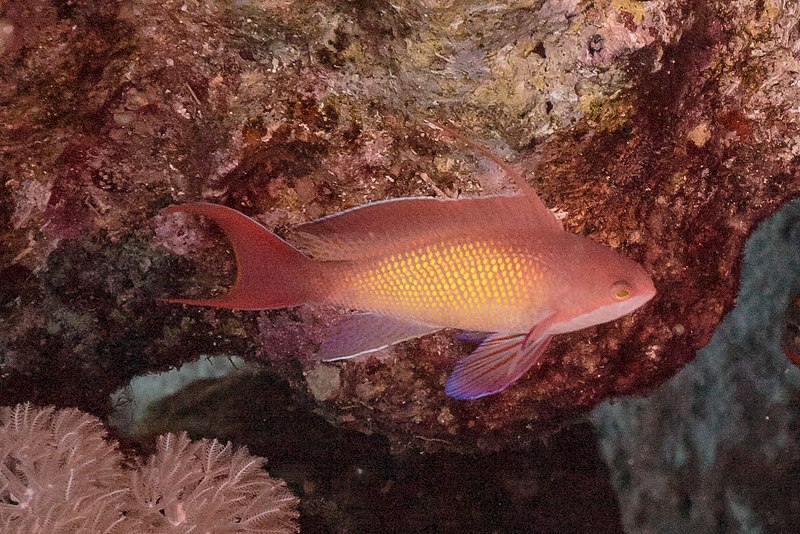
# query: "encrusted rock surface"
[664,129]
[716,449]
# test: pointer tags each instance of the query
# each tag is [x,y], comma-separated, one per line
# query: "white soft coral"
[206,486]
[60,474]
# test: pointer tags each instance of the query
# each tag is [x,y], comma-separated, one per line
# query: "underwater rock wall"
[664,129]
[715,449]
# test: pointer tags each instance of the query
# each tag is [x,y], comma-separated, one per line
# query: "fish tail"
[270,273]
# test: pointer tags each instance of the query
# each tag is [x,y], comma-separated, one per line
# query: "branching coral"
[189,484]
[57,472]
[60,474]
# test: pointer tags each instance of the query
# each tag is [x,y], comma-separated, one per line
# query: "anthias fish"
[500,265]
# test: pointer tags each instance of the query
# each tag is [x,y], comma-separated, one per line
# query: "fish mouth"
[649,291]
[639,300]
[604,314]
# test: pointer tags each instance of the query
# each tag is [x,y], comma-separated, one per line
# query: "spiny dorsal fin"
[374,229]
[522,185]
[366,231]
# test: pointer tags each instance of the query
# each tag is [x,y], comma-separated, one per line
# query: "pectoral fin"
[354,335]
[498,362]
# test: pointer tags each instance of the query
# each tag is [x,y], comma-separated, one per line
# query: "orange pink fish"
[502,265]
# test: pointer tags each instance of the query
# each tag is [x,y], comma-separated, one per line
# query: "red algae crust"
[664,129]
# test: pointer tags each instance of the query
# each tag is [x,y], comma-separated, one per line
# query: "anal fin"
[354,335]
[499,361]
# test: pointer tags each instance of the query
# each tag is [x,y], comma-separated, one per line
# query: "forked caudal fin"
[270,273]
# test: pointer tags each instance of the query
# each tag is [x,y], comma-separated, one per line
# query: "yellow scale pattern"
[483,285]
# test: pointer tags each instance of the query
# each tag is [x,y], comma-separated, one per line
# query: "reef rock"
[665,129]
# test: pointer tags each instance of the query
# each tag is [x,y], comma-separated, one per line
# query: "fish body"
[502,265]
[495,284]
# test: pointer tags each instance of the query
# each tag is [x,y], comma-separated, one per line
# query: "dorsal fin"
[367,230]
[522,185]
[372,229]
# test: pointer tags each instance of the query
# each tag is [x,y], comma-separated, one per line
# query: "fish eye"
[621,290]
